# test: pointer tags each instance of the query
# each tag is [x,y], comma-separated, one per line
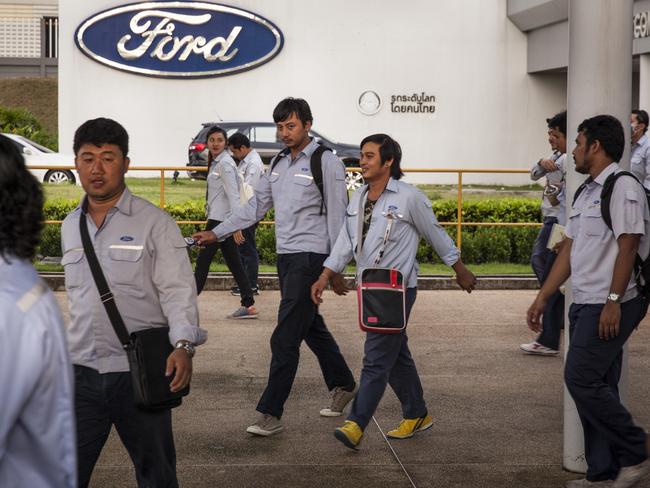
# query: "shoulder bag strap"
[105,294]
[360,219]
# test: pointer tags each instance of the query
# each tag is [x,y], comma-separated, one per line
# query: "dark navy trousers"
[104,400]
[542,260]
[592,372]
[250,258]
[299,320]
[387,360]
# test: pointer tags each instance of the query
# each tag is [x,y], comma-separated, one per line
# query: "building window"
[20,37]
[51,37]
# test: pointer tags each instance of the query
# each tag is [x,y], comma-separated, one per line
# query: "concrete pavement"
[497,412]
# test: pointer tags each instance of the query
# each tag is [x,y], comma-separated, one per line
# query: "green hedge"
[480,244]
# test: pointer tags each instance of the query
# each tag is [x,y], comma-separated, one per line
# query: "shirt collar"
[392,185]
[309,149]
[123,204]
[600,179]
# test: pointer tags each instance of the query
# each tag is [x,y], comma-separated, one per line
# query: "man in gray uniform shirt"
[607,305]
[145,260]
[640,153]
[37,441]
[251,169]
[304,237]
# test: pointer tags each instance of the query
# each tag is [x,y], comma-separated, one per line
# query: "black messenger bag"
[381,292]
[147,350]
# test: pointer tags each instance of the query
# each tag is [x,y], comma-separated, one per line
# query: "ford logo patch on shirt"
[179,39]
[126,238]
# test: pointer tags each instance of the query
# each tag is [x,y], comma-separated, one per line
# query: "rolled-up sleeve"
[335,194]
[174,280]
[250,213]
[627,207]
[427,225]
[537,172]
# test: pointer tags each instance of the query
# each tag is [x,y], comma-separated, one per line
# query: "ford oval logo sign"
[179,39]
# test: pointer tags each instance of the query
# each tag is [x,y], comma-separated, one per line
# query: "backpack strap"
[579,190]
[606,195]
[276,159]
[316,167]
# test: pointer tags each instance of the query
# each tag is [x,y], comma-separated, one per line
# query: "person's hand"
[338,284]
[204,238]
[317,289]
[534,314]
[466,279]
[610,320]
[180,362]
[239,237]
[547,164]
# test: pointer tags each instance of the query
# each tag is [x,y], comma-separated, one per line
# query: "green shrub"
[21,122]
[480,244]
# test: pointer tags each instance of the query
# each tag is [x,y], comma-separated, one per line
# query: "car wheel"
[353,180]
[58,176]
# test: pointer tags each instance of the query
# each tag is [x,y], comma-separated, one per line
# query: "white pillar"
[644,82]
[599,82]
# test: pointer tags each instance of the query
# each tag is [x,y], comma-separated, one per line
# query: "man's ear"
[388,162]
[127,162]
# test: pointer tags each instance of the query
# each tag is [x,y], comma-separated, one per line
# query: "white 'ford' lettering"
[174,44]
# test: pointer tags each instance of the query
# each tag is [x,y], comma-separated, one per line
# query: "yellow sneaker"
[408,427]
[350,434]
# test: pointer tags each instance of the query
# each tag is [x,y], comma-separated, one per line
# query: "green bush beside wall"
[480,244]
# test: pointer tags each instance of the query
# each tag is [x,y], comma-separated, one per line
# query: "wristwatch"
[187,345]
[614,297]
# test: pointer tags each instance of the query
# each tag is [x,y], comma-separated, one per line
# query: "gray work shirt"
[290,189]
[594,248]
[223,187]
[37,425]
[144,258]
[640,159]
[556,178]
[251,168]
[412,218]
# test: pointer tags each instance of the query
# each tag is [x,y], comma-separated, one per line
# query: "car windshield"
[33,144]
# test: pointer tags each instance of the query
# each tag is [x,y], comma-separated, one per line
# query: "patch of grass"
[148,188]
[37,95]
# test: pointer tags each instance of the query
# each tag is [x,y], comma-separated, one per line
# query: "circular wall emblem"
[369,102]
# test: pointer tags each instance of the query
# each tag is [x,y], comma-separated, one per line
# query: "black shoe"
[256,290]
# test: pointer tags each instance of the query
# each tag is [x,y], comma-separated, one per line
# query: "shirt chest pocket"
[73,265]
[302,187]
[592,222]
[126,267]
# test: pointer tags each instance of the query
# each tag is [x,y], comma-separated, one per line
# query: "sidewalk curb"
[269,281]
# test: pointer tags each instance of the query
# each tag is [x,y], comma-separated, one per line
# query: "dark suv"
[264,139]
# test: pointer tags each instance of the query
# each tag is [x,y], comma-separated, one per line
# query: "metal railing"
[459,223]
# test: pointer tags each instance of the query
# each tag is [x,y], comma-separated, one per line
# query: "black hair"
[213,130]
[238,140]
[101,131]
[558,121]
[608,131]
[21,204]
[290,105]
[389,149]
[642,118]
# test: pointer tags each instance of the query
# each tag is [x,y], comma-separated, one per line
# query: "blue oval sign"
[179,39]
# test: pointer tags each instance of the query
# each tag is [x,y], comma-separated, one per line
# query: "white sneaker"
[583,483]
[536,348]
[630,475]
[266,425]
[340,399]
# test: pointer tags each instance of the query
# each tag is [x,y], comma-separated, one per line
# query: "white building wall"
[489,112]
